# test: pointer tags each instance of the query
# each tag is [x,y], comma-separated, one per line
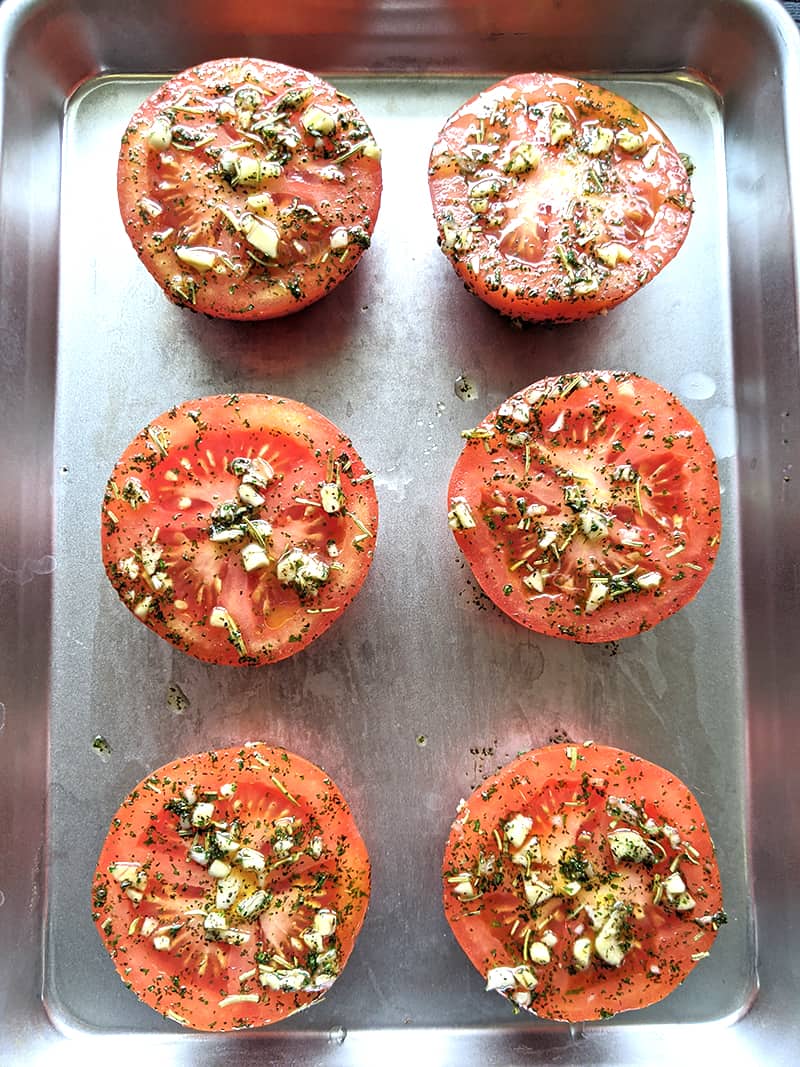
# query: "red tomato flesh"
[249,189]
[581,881]
[556,199]
[588,505]
[239,527]
[231,887]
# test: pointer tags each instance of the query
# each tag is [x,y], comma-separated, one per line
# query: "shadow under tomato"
[252,354]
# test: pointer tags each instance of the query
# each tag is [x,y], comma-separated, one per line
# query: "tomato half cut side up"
[239,527]
[588,506]
[581,881]
[248,188]
[231,887]
[556,199]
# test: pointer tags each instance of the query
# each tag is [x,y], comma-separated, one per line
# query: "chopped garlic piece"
[302,570]
[214,922]
[460,516]
[325,922]
[142,609]
[251,859]
[525,977]
[536,580]
[332,498]
[524,158]
[464,890]
[238,998]
[500,978]
[598,592]
[608,944]
[560,126]
[254,557]
[539,953]
[159,136]
[219,869]
[586,286]
[582,952]
[234,937]
[517,829]
[261,234]
[613,253]
[200,259]
[516,410]
[460,240]
[227,892]
[594,524]
[630,141]
[339,239]
[313,940]
[319,122]
[250,496]
[629,845]
[650,580]
[202,814]
[252,904]
[536,892]
[674,885]
[601,140]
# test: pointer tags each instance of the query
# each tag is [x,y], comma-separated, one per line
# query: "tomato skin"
[159,509]
[187,981]
[607,482]
[547,205]
[175,194]
[565,790]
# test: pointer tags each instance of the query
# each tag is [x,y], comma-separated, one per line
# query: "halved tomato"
[239,527]
[556,199]
[231,887]
[588,505]
[581,881]
[249,189]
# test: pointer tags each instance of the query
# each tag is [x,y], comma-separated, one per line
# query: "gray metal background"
[90,351]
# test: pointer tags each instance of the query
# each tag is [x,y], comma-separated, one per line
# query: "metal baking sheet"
[420,689]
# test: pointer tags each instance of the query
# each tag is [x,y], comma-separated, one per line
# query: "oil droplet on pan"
[465,388]
[422,740]
[720,426]
[336,1035]
[2,898]
[697,386]
[45,565]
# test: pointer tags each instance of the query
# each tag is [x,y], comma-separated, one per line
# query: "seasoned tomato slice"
[581,881]
[588,505]
[231,887]
[556,199]
[239,527]
[249,189]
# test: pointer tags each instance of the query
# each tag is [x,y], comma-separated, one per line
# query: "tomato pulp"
[231,887]
[248,188]
[581,881]
[588,505]
[239,527]
[556,199]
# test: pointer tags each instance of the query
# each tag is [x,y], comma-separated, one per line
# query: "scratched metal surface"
[420,689]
